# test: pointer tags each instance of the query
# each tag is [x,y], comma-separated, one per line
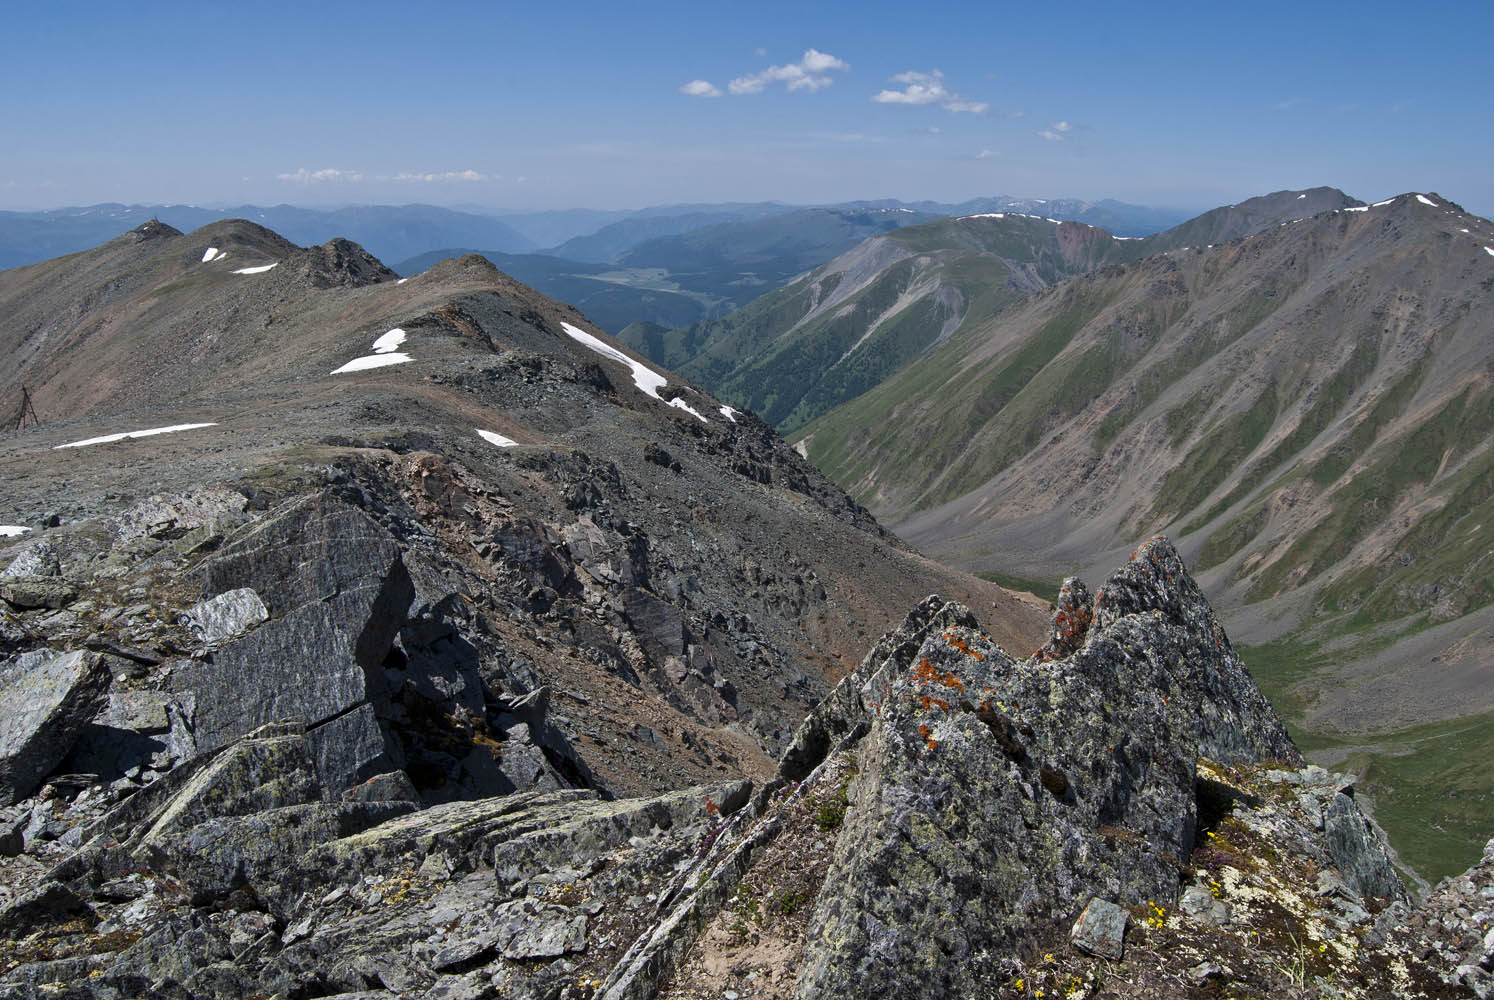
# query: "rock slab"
[46,698]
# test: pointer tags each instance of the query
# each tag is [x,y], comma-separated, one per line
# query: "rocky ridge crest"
[1121,813]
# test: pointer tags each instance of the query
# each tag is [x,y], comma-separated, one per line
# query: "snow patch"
[680,404]
[648,381]
[498,439]
[729,413]
[1361,208]
[1127,237]
[12,530]
[150,432]
[1427,201]
[1489,251]
[209,254]
[389,341]
[987,215]
[372,361]
[1462,230]
[402,281]
[261,269]
[1301,196]
[1378,204]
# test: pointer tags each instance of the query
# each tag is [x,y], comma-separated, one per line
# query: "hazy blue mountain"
[389,232]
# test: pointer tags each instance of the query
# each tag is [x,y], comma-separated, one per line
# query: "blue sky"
[603,105]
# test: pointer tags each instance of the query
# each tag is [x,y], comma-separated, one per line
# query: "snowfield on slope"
[372,361]
[150,432]
[492,437]
[383,355]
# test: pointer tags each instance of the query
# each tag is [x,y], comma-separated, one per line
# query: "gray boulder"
[1358,851]
[226,616]
[337,593]
[46,698]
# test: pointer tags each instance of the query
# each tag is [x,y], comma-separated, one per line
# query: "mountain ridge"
[913,288]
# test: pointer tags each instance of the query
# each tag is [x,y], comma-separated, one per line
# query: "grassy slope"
[1308,430]
[1430,786]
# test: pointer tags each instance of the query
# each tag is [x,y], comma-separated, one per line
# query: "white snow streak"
[987,215]
[1361,208]
[494,438]
[389,341]
[729,413]
[209,254]
[372,361]
[261,269]
[402,281]
[1387,201]
[12,530]
[681,404]
[645,378]
[151,432]
[1125,237]
[1427,201]
[1462,230]
[1489,251]
[1301,196]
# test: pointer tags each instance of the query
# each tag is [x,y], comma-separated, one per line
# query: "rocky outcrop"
[337,593]
[947,822]
[996,798]
[46,699]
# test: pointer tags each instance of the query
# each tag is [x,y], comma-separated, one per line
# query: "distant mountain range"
[390,232]
[1299,389]
[820,341]
[668,265]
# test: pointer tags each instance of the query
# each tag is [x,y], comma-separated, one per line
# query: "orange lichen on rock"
[960,644]
[928,737]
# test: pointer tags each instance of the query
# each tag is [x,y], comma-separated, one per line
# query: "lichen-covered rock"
[38,592]
[1100,929]
[1357,850]
[1072,617]
[996,797]
[46,698]
[251,776]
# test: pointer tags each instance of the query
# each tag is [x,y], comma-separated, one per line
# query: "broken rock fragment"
[46,698]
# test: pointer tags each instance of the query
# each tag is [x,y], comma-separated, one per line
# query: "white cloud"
[810,73]
[304,176]
[920,88]
[933,130]
[449,175]
[700,88]
[928,88]
[987,154]
[1056,131]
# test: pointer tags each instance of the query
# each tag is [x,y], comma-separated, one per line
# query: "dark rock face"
[46,699]
[995,797]
[338,592]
